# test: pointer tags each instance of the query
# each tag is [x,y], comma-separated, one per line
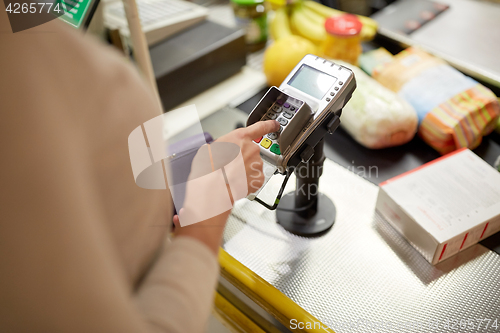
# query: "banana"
[369,25]
[321,9]
[314,16]
[313,30]
[328,12]
[280,25]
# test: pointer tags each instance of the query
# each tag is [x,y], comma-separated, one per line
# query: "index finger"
[261,128]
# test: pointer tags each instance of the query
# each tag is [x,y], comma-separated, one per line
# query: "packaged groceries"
[376,117]
[453,110]
[444,206]
[368,61]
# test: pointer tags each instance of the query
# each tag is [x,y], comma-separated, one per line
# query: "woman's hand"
[210,230]
[250,151]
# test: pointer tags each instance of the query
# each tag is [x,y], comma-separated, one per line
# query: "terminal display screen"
[312,81]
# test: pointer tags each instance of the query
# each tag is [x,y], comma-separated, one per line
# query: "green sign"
[74,11]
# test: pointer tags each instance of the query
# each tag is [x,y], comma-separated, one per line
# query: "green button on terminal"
[275,148]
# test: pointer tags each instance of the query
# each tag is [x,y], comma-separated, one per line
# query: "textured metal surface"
[462,35]
[363,276]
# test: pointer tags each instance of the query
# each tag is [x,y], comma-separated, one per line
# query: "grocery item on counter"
[282,56]
[368,61]
[376,117]
[307,23]
[343,40]
[275,4]
[251,15]
[444,206]
[302,24]
[280,24]
[370,26]
[453,110]
[307,19]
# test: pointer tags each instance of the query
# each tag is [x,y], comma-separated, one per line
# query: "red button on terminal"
[257,140]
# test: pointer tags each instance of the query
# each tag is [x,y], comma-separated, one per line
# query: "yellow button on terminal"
[266,143]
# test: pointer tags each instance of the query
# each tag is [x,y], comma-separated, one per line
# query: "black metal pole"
[307,180]
[306,211]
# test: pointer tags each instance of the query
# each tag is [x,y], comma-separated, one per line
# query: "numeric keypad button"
[272,136]
[272,115]
[282,121]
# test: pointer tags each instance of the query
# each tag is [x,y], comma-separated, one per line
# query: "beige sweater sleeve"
[75,232]
[184,286]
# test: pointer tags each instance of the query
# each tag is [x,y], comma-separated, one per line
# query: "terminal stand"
[306,211]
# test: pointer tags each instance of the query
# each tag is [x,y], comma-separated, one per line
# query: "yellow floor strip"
[289,313]
[230,316]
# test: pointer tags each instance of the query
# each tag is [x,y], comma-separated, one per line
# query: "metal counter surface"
[362,276]
[464,35]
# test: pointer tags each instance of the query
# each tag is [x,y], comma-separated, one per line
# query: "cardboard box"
[444,206]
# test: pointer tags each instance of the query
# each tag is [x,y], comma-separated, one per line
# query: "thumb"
[261,128]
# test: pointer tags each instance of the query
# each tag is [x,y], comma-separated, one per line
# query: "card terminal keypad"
[283,111]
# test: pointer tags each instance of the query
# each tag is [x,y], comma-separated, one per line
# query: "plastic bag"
[376,117]
[454,110]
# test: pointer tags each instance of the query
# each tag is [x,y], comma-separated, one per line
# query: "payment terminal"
[308,104]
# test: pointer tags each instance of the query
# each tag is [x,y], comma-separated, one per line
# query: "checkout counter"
[360,276]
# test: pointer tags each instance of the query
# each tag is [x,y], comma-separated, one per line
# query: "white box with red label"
[444,206]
